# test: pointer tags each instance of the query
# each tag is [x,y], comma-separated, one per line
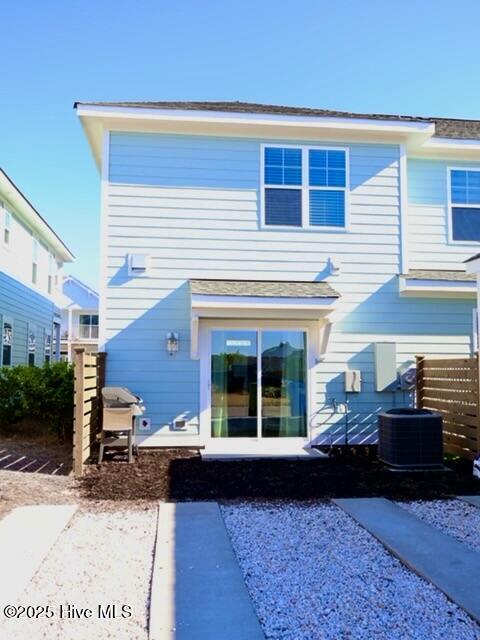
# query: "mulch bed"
[181,475]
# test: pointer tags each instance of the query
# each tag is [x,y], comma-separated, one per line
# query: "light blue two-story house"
[32,256]
[268,273]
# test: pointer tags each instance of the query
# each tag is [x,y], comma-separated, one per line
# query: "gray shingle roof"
[440,274]
[444,127]
[263,288]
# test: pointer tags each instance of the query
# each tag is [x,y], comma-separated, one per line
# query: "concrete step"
[448,564]
[198,591]
[280,448]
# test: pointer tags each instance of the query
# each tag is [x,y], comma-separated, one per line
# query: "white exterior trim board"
[264,302]
[192,115]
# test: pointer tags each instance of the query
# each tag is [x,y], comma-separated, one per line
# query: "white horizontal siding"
[428,241]
[191,203]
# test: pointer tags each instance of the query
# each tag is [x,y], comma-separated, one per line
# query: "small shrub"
[42,393]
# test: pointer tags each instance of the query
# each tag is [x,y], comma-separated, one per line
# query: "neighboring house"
[302,257]
[79,318]
[31,261]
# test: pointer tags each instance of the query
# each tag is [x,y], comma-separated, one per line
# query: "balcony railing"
[82,332]
[88,332]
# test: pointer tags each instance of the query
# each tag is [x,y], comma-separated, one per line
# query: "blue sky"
[418,58]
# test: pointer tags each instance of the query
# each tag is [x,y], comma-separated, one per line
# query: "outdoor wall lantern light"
[172,342]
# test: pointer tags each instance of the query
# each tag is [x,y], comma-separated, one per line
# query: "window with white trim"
[50,273]
[7,225]
[305,186]
[88,326]
[465,205]
[34,260]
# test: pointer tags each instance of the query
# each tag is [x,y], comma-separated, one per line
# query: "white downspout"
[403,189]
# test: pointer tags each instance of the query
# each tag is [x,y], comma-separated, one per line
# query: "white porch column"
[69,341]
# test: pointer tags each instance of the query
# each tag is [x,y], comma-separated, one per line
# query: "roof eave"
[29,215]
[97,118]
[425,288]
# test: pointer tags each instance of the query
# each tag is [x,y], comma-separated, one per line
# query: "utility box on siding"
[385,365]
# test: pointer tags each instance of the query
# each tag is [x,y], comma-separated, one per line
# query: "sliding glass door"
[234,384]
[258,383]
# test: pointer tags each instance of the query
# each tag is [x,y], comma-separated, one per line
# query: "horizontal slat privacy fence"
[89,379]
[451,387]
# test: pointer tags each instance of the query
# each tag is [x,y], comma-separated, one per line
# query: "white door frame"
[205,347]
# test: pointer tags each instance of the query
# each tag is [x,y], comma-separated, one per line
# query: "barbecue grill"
[120,408]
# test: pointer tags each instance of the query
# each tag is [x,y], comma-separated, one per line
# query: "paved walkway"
[198,591]
[448,564]
[26,536]
[473,500]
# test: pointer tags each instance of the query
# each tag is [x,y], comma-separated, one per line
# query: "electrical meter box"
[353,381]
[386,377]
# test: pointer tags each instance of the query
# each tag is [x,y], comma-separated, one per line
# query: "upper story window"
[34,260]
[465,205]
[7,226]
[305,187]
[50,273]
[88,326]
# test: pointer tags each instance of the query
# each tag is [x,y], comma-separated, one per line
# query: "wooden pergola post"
[79,403]
[419,382]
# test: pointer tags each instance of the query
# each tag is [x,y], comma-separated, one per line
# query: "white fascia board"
[367,124]
[472,266]
[254,302]
[25,211]
[452,143]
[97,119]
[93,130]
[445,148]
[436,288]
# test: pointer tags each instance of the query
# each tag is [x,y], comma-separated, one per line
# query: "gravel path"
[101,558]
[455,517]
[18,488]
[314,574]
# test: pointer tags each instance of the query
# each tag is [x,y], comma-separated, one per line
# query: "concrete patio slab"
[448,564]
[26,536]
[473,500]
[198,591]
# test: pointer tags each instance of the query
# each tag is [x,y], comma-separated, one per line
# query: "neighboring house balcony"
[82,332]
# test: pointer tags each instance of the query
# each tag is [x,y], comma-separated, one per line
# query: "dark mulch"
[180,475]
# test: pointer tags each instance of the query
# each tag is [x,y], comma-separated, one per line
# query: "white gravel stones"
[454,517]
[101,558]
[314,574]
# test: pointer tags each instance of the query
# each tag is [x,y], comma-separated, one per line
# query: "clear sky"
[411,57]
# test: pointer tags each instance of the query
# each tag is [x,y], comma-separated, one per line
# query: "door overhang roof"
[261,299]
